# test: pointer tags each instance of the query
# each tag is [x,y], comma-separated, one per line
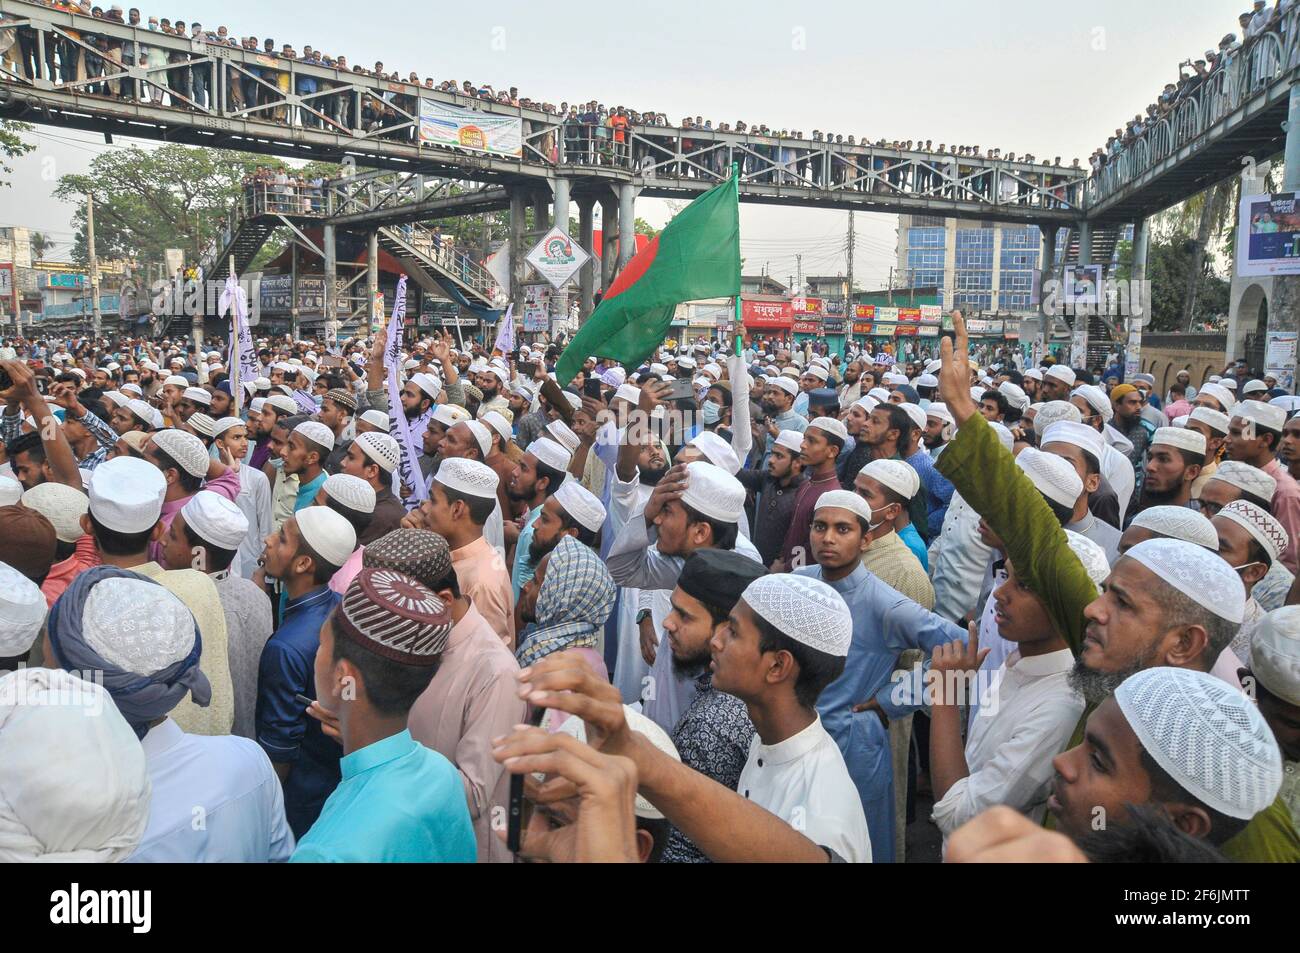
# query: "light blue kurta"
[524,568]
[398,802]
[885,623]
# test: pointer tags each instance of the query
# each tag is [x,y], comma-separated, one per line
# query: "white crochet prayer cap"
[844,500]
[327,532]
[717,451]
[1180,421]
[427,383]
[977,393]
[224,424]
[202,424]
[914,414]
[819,372]
[186,449]
[198,395]
[1091,555]
[1015,396]
[1220,393]
[1265,530]
[381,449]
[1097,399]
[1229,382]
[482,436]
[1193,441]
[1200,575]
[628,392]
[449,415]
[550,453]
[377,419]
[1055,411]
[803,608]
[118,399]
[786,384]
[894,475]
[1077,435]
[498,423]
[469,477]
[1290,403]
[573,400]
[1254,387]
[352,492]
[132,390]
[714,492]
[616,376]
[790,439]
[867,403]
[562,434]
[1244,477]
[1207,735]
[880,394]
[940,411]
[1275,653]
[316,432]
[1262,414]
[581,504]
[282,402]
[895,380]
[1061,373]
[22,612]
[830,425]
[927,380]
[1033,374]
[87,803]
[62,505]
[1178,522]
[11,491]
[637,722]
[215,519]
[137,625]
[126,494]
[1053,476]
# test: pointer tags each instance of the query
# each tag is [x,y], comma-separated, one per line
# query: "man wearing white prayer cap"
[1275,673]
[1057,382]
[63,507]
[375,457]
[1213,425]
[1082,447]
[375,420]
[694,507]
[1251,541]
[1174,460]
[823,441]
[1170,522]
[187,467]
[90,804]
[11,491]
[536,476]
[777,404]
[888,487]
[305,453]
[787,641]
[1215,396]
[1254,436]
[1186,743]
[572,510]
[22,615]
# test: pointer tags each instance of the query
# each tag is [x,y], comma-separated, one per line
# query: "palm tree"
[41,244]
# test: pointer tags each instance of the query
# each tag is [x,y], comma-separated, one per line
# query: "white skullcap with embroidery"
[11,491]
[381,448]
[1262,527]
[1207,735]
[449,415]
[628,392]
[126,494]
[62,505]
[581,504]
[880,394]
[316,432]
[219,427]
[844,500]
[1289,403]
[328,533]
[198,395]
[1220,393]
[469,477]
[714,492]
[790,439]
[22,612]
[940,411]
[829,425]
[1254,387]
[894,475]
[1260,414]
[431,386]
[716,450]
[1200,575]
[1077,435]
[563,434]
[142,411]
[482,436]
[281,402]
[1097,399]
[550,453]
[914,414]
[1178,522]
[118,399]
[497,422]
[1055,411]
[186,449]
[215,519]
[867,403]
[352,492]
[1033,374]
[137,625]
[786,384]
[1091,555]
[202,424]
[1193,441]
[1061,373]
[1275,653]
[803,608]
[1246,478]
[927,380]
[1015,396]
[1053,476]
[377,419]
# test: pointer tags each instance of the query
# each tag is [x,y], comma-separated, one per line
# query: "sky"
[1047,79]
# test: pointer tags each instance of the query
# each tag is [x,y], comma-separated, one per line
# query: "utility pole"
[850,255]
[97,318]
[891,286]
[798,274]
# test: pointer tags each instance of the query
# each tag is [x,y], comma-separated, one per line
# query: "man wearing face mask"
[715,412]
[778,412]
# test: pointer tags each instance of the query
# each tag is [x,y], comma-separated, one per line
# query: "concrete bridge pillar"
[1284,309]
[372,274]
[586,238]
[517,262]
[626,223]
[331,274]
[609,227]
[560,203]
[1140,309]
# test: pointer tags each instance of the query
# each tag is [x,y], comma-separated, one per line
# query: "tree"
[642,227]
[41,244]
[1212,223]
[12,145]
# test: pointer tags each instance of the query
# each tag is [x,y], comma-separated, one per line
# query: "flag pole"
[740,327]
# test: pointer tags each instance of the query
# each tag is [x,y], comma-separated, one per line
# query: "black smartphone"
[679,389]
[527,369]
[591,387]
[516,820]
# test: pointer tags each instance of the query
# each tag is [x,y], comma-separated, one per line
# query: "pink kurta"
[483,577]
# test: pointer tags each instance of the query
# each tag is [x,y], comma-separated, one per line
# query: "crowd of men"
[750,604]
[1194,74]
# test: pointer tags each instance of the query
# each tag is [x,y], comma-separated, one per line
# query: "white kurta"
[958,561]
[1021,727]
[254,501]
[803,781]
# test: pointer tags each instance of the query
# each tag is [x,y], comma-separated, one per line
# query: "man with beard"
[571,510]
[775,488]
[1275,671]
[1213,426]
[888,429]
[1254,432]
[852,389]
[852,459]
[1127,402]
[536,477]
[1174,461]
[938,430]
[778,413]
[336,410]
[492,382]
[714,733]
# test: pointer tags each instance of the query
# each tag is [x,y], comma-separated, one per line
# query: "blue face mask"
[711,412]
[154,27]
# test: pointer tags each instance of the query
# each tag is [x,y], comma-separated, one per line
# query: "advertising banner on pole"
[1268,238]
[443,125]
[1280,358]
[557,258]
